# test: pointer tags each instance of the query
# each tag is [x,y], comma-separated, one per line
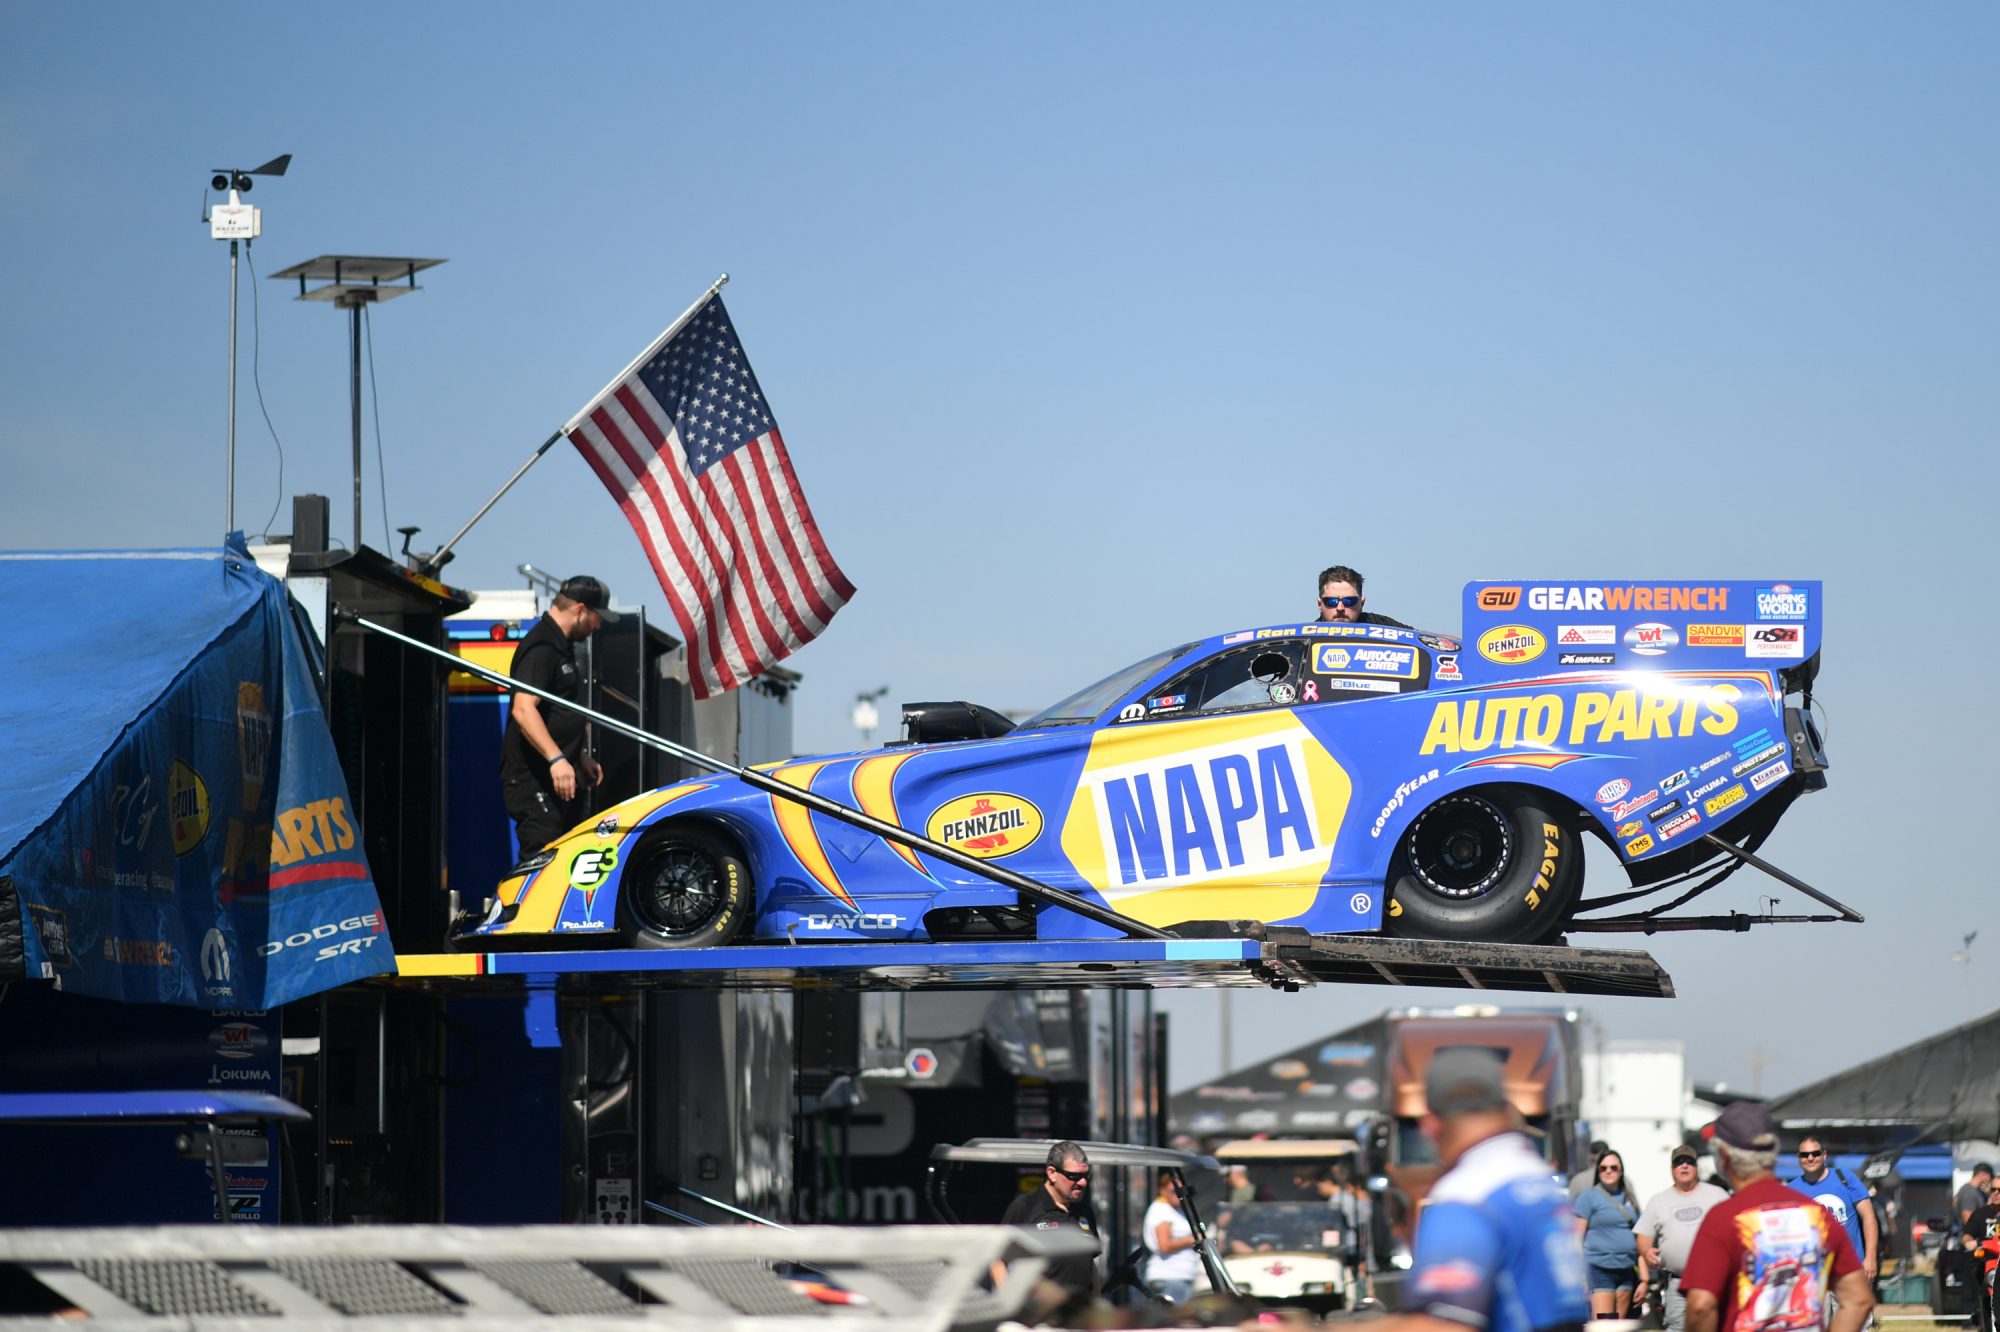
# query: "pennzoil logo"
[989,825]
[187,807]
[1512,644]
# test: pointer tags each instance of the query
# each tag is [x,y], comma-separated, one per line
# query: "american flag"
[686,444]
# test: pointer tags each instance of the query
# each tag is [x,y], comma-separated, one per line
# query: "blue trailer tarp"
[174,825]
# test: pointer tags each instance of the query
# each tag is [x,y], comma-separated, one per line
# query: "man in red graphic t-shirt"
[1768,1259]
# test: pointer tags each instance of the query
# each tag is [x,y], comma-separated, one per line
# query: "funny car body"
[1339,777]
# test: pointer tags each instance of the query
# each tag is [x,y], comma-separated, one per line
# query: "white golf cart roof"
[1286,1149]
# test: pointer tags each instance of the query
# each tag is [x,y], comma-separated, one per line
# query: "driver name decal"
[1591,717]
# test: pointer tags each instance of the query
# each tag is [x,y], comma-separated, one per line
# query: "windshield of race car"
[1086,704]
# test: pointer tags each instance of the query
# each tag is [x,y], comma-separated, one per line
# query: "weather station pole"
[353,283]
[238,223]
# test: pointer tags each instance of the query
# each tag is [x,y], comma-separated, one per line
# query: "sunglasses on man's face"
[1337,603]
[1073,1176]
[1810,1156]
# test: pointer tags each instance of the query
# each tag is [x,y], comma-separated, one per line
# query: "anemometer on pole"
[236,222]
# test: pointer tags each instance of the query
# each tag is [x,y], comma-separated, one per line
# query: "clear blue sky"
[1095,327]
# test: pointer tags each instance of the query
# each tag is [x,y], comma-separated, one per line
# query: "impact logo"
[988,825]
[1652,639]
[1512,644]
[1251,813]
[1782,601]
[187,808]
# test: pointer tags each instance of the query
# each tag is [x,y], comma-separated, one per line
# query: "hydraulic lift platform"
[1274,957]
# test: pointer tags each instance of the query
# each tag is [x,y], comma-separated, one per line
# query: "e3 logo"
[590,868]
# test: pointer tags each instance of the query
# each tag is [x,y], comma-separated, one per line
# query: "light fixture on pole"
[354,282]
[238,223]
[866,718]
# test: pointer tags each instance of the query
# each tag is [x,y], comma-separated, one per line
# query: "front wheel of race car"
[685,888]
[1494,864]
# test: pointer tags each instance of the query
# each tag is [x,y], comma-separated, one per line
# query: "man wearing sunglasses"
[1340,599]
[1061,1202]
[1843,1195]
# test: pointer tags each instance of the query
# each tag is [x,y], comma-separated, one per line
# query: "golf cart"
[1289,1246]
[1032,1153]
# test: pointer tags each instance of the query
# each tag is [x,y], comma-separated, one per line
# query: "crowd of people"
[1503,1247]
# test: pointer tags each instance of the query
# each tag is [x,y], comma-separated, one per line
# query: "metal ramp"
[1253,957]
[512,1279]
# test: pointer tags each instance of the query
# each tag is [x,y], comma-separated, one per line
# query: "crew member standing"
[1497,1250]
[545,764]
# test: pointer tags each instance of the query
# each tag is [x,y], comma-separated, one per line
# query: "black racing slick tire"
[1496,864]
[687,887]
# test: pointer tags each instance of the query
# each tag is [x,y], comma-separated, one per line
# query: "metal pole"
[833,809]
[354,398]
[229,489]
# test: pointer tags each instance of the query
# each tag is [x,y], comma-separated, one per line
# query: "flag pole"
[652,350]
[436,560]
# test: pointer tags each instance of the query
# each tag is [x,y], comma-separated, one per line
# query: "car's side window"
[1264,676]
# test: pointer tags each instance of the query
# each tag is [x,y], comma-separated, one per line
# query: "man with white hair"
[1765,1257]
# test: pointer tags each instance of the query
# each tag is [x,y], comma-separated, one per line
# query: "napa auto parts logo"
[1782,601]
[1233,814]
[989,825]
[1512,644]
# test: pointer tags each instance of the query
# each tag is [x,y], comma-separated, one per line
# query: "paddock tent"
[1321,1089]
[1947,1085]
[174,825]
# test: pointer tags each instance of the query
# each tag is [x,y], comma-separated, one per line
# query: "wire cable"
[256,378]
[375,405]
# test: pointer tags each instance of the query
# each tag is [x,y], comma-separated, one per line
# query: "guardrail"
[394,1278]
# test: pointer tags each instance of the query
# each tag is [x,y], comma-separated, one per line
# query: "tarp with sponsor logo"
[1323,1088]
[174,826]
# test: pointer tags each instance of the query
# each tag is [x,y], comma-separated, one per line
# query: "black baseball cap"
[588,591]
[1680,1154]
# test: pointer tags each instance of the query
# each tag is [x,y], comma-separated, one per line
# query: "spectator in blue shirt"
[1842,1194]
[1609,1210]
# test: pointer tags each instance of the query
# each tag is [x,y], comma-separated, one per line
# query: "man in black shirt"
[1341,598]
[1982,1236]
[1061,1203]
[544,757]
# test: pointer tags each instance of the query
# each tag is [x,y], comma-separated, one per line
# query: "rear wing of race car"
[1520,626]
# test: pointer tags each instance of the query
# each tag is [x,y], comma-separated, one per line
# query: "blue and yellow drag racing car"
[1337,777]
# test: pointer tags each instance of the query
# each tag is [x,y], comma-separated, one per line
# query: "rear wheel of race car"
[1497,864]
[686,887]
